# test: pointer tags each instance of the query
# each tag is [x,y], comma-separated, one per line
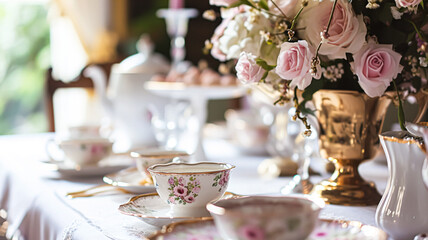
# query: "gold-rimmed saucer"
[68,169]
[131,180]
[151,209]
[326,230]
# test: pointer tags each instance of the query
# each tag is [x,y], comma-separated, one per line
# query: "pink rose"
[407,3]
[294,63]
[225,3]
[189,199]
[288,7]
[252,232]
[180,191]
[346,34]
[221,182]
[376,65]
[171,181]
[247,69]
[196,189]
[181,181]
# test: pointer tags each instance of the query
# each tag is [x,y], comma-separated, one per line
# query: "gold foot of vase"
[349,125]
[346,187]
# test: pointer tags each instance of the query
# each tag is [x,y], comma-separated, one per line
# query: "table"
[38,209]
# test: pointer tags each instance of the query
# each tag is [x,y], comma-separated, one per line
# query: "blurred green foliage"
[24,58]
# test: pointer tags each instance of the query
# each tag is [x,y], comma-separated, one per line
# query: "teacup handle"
[50,144]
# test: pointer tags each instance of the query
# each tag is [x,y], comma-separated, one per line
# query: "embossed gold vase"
[350,123]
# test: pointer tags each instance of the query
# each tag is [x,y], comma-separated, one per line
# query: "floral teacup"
[148,157]
[188,187]
[83,151]
[84,131]
[265,217]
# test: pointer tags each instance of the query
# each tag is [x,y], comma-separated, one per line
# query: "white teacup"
[188,187]
[148,157]
[269,217]
[84,131]
[83,151]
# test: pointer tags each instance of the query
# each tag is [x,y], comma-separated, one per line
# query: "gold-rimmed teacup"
[148,157]
[82,152]
[266,217]
[188,187]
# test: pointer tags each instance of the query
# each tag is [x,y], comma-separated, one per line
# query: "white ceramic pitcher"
[402,211]
[126,100]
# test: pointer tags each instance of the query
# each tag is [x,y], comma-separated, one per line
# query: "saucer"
[151,209]
[113,163]
[326,230]
[129,179]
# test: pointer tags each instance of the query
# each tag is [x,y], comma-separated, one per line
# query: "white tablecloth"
[38,209]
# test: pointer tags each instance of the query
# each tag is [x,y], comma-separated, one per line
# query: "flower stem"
[328,27]
[280,10]
[296,116]
[416,29]
[401,117]
[296,17]
[253,5]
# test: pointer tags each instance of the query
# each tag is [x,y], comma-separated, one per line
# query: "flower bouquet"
[366,46]
[350,58]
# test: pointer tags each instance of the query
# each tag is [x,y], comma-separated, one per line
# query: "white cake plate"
[198,97]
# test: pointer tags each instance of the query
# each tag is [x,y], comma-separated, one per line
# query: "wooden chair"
[51,85]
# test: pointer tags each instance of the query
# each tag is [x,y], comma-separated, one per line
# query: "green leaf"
[312,88]
[263,4]
[264,76]
[308,93]
[262,63]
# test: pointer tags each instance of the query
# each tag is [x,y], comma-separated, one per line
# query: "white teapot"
[126,100]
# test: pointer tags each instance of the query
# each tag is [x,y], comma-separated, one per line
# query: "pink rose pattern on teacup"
[221,180]
[376,65]
[95,149]
[183,191]
[325,231]
[260,229]
[252,232]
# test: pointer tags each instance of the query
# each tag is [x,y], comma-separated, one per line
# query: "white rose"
[346,34]
[242,34]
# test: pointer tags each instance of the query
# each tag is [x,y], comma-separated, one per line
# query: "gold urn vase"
[349,123]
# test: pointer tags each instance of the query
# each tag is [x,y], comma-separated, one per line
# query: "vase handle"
[422,101]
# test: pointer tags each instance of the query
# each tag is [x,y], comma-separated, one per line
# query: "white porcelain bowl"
[265,217]
[188,187]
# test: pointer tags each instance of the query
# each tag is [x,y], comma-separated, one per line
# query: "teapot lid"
[145,61]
